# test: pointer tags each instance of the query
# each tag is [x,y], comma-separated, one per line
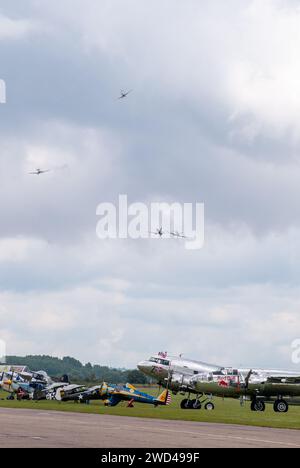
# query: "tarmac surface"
[42,429]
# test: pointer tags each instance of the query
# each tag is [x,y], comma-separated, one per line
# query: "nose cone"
[145,367]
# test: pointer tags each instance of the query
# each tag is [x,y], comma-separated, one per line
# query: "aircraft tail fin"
[59,394]
[164,398]
[131,387]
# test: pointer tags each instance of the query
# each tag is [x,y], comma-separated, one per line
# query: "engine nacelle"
[180,382]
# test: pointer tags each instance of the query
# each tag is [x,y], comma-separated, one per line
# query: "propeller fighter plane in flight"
[159,232]
[39,172]
[124,94]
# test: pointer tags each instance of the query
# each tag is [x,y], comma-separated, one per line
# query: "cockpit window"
[164,362]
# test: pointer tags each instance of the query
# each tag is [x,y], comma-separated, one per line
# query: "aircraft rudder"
[164,398]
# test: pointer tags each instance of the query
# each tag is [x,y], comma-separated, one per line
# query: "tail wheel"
[258,406]
[209,406]
[281,406]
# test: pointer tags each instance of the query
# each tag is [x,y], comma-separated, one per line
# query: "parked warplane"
[282,388]
[69,392]
[81,394]
[112,395]
[21,385]
[116,394]
[39,172]
[21,382]
[50,391]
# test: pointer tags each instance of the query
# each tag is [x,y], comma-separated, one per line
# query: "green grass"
[227,412]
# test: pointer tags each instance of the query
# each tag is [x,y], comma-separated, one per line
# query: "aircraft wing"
[130,387]
[284,380]
[114,400]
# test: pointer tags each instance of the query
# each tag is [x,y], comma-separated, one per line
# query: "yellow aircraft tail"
[164,398]
[131,387]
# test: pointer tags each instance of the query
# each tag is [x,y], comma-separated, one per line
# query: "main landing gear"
[258,406]
[197,404]
[280,406]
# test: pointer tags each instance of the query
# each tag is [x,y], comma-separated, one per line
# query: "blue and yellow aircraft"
[112,395]
[116,394]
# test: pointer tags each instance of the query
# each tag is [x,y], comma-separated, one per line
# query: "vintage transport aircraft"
[260,386]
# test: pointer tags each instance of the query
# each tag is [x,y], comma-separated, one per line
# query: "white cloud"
[263,80]
[19,249]
[87,324]
[15,29]
[246,62]
[213,118]
[117,302]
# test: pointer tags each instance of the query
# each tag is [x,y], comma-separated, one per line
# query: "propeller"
[247,379]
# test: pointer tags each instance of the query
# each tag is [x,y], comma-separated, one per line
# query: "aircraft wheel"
[209,406]
[185,404]
[281,406]
[258,406]
[195,404]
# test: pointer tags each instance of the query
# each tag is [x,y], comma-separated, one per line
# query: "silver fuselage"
[185,375]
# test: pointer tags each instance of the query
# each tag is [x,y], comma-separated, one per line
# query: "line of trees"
[77,371]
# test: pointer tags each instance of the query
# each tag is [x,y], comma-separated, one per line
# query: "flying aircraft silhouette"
[124,94]
[178,235]
[39,172]
[159,233]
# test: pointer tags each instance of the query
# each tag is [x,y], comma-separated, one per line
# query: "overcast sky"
[214,118]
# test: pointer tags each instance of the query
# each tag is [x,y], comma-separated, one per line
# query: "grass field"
[228,412]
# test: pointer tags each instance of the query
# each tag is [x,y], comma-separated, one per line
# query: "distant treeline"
[76,371]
